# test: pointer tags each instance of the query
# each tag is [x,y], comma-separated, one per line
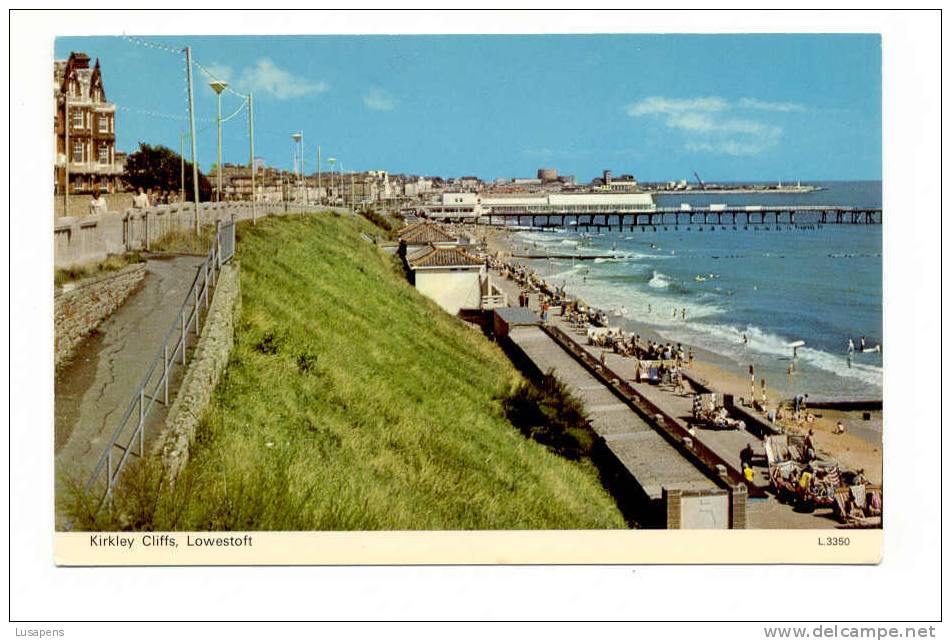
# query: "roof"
[443,257]
[516,315]
[426,233]
[410,226]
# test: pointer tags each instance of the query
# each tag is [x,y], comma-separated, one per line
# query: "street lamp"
[299,139]
[219,86]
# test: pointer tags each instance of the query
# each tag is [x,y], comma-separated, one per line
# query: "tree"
[159,168]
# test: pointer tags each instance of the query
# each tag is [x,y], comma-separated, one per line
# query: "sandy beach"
[860,447]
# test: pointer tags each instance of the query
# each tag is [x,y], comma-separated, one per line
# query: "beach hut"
[451,276]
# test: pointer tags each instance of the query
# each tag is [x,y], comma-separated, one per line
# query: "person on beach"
[683,314]
[690,356]
[746,455]
[810,447]
[862,343]
[748,473]
[851,346]
[752,385]
[675,313]
[839,428]
[648,308]
[762,384]
[745,339]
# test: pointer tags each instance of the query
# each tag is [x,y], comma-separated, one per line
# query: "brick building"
[90,141]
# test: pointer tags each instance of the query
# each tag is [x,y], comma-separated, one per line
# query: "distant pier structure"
[697,217]
[634,210]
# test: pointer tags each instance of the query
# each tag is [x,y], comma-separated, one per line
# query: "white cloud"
[659,105]
[220,72]
[267,78]
[762,105]
[708,124]
[380,100]
[264,77]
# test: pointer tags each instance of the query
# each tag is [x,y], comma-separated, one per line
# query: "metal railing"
[128,439]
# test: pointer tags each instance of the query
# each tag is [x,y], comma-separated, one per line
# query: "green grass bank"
[351,402]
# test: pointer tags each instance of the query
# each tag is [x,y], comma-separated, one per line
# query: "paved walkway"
[766,513]
[650,459]
[94,389]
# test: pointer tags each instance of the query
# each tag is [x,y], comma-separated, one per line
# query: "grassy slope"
[376,411]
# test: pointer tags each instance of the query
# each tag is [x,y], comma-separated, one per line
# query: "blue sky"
[731,107]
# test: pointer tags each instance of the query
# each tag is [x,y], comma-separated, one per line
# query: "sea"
[743,295]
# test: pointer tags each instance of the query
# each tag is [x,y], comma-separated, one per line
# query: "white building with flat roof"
[459,205]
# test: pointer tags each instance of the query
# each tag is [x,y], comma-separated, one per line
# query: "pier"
[694,219]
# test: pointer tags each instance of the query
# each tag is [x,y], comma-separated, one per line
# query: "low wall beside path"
[207,364]
[78,311]
[78,241]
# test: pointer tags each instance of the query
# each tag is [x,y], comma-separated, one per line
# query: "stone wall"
[81,240]
[208,362]
[79,310]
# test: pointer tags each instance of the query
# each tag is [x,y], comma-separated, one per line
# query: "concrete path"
[94,389]
[767,513]
[649,458]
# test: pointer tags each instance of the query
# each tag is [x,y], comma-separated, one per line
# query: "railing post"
[142,421]
[165,368]
[184,335]
[197,317]
[205,288]
[218,244]
[109,473]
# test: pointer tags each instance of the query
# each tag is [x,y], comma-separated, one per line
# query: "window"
[77,117]
[77,152]
[103,124]
[104,155]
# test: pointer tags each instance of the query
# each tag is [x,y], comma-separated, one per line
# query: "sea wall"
[78,311]
[208,362]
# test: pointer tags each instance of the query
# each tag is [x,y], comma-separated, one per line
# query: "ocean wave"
[659,280]
[728,341]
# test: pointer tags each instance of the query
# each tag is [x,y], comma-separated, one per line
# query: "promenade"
[650,459]
[765,512]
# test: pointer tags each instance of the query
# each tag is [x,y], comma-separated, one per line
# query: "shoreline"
[860,447]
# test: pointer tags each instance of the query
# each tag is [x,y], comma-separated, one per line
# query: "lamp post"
[219,86]
[333,199]
[299,139]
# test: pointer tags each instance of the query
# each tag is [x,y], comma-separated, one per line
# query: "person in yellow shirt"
[748,473]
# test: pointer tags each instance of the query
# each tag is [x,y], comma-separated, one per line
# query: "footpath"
[94,389]
[762,512]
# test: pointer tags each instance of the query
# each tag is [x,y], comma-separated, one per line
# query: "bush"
[112,263]
[184,241]
[377,219]
[549,414]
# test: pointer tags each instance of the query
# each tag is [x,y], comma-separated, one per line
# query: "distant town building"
[548,175]
[84,127]
[607,182]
